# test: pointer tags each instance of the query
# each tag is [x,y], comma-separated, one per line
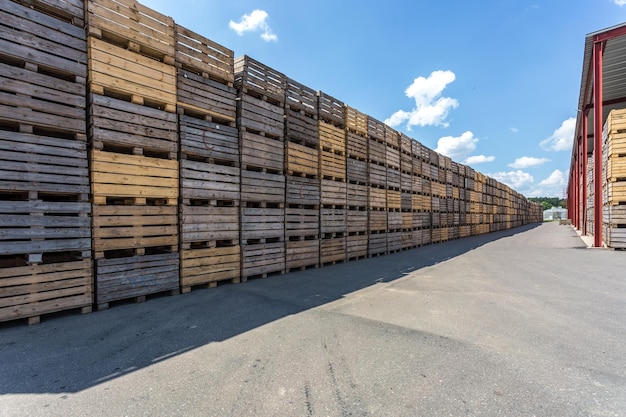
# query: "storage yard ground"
[524,322]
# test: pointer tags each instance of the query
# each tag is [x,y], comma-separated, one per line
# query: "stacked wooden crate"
[209,162]
[357,183]
[333,196]
[406,190]
[420,198]
[260,119]
[377,174]
[614,186]
[134,156]
[394,195]
[45,233]
[302,211]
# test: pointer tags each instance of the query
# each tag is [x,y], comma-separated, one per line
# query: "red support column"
[598,49]
[584,169]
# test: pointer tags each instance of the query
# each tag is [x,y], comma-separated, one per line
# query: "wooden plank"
[377,221]
[208,224]
[302,253]
[262,259]
[331,138]
[253,76]
[260,116]
[205,181]
[356,220]
[356,121]
[357,171]
[262,224]
[333,250]
[356,246]
[72,11]
[377,244]
[356,146]
[206,96]
[302,222]
[300,97]
[204,55]
[357,195]
[262,152]
[262,187]
[375,129]
[333,166]
[394,221]
[301,127]
[331,110]
[303,191]
[207,139]
[207,265]
[377,198]
[333,220]
[333,193]
[301,159]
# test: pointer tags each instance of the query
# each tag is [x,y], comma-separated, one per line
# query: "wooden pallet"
[356,246]
[356,123]
[208,224]
[203,56]
[614,237]
[331,138]
[614,192]
[615,168]
[392,138]
[333,193]
[208,266]
[302,222]
[118,122]
[394,220]
[394,241]
[393,178]
[356,220]
[43,225]
[205,181]
[377,244]
[135,277]
[357,195]
[616,122]
[302,191]
[333,220]
[375,129]
[301,159]
[251,76]
[331,110]
[407,239]
[377,198]
[406,182]
[120,229]
[205,97]
[133,26]
[394,200]
[262,224]
[302,254]
[262,259]
[301,127]
[333,165]
[377,174]
[262,152]
[260,116]
[356,146]
[210,140]
[27,292]
[301,98]
[377,221]
[377,152]
[333,250]
[261,186]
[357,171]
[407,220]
[114,71]
[133,176]
[33,162]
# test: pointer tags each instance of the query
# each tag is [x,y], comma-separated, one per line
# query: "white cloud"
[478,159]
[562,138]
[430,108]
[254,22]
[527,162]
[553,186]
[620,2]
[514,129]
[514,179]
[458,147]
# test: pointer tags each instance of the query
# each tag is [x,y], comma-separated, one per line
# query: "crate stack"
[45,238]
[357,183]
[209,162]
[437,191]
[133,132]
[464,227]
[377,196]
[302,209]
[260,119]
[589,204]
[333,196]
[614,166]
[394,195]
[406,190]
[420,197]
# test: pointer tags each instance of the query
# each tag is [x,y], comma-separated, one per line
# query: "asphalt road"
[528,322]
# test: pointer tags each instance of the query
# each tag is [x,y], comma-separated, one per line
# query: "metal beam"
[584,173]
[598,51]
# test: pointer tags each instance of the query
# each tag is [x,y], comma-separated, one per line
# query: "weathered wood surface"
[262,224]
[357,171]
[208,58]
[356,220]
[377,174]
[356,146]
[375,130]
[377,221]
[301,159]
[261,259]
[394,241]
[333,165]
[300,97]
[393,178]
[252,76]
[332,250]
[260,116]
[392,138]
[332,138]
[302,253]
[207,224]
[303,191]
[331,110]
[377,244]
[377,152]
[301,128]
[262,152]
[206,181]
[33,290]
[262,187]
[333,221]
[377,198]
[209,265]
[209,140]
[333,193]
[357,195]
[394,221]
[302,222]
[356,246]
[407,239]
[394,200]
[204,96]
[356,122]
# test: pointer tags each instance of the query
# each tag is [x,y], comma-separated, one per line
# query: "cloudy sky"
[493,84]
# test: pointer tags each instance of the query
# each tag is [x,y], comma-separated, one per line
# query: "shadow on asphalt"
[70,353]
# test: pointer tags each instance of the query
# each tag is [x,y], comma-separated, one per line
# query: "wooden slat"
[207,139]
[203,266]
[303,253]
[200,180]
[206,96]
[262,152]
[333,250]
[300,97]
[252,75]
[262,259]
[198,52]
[331,110]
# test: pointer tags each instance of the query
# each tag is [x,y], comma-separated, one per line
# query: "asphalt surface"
[527,322]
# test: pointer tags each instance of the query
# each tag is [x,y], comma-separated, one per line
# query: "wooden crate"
[394,241]
[407,239]
[357,195]
[302,160]
[406,181]
[300,254]
[377,198]
[260,116]
[207,266]
[254,78]
[333,165]
[262,224]
[119,230]
[377,244]
[614,145]
[206,225]
[377,175]
[32,162]
[394,200]
[356,245]
[203,56]
[133,26]
[262,152]
[70,11]
[333,221]
[407,220]
[422,219]
[393,178]
[406,201]
[375,130]
[301,128]
[300,98]
[356,146]
[117,122]
[262,259]
[392,157]
[135,277]
[44,225]
[133,176]
[356,122]
[204,139]
[615,168]
[392,138]
[394,221]
[29,291]
[115,71]
[262,187]
[203,183]
[615,122]
[357,171]
[204,97]
[331,110]
[377,152]
[357,220]
[614,192]
[331,138]
[377,221]
[332,250]
[303,191]
[333,193]
[302,222]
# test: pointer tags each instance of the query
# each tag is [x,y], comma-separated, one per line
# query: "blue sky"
[493,84]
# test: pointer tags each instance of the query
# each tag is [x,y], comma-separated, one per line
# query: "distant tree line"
[549,202]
